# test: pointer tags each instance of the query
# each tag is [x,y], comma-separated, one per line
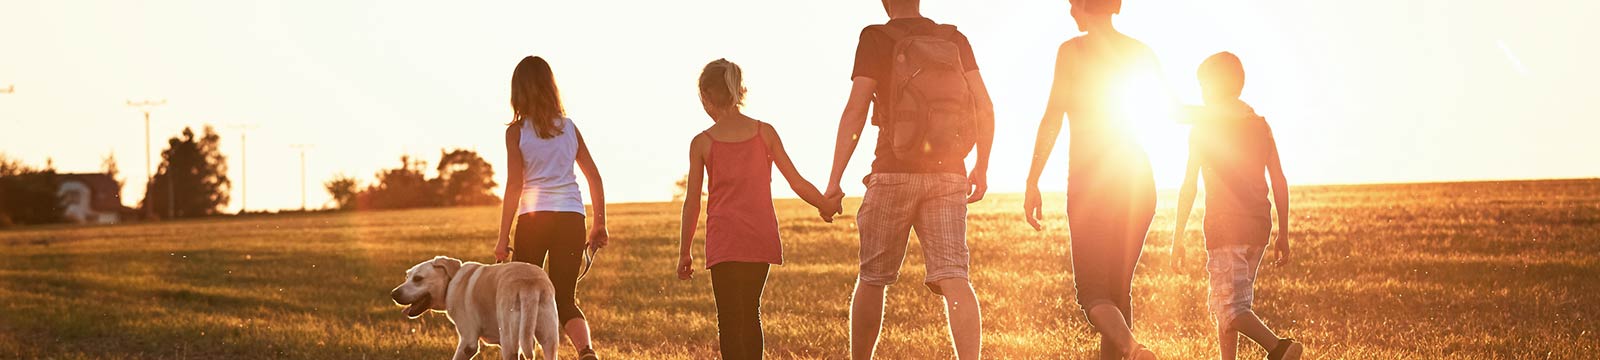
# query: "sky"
[1357,91]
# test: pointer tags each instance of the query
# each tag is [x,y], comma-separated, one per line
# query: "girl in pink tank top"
[742,243]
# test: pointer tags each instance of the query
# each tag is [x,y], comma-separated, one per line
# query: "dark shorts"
[554,240]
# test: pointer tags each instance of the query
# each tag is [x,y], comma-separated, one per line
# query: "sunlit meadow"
[1462,270]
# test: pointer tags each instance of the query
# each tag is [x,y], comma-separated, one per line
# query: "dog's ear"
[449,266]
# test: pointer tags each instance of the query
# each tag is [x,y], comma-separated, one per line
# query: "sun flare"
[1152,116]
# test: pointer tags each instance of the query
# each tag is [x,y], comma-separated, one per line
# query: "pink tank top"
[741,224]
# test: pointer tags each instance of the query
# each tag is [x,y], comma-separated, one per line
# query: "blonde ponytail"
[722,84]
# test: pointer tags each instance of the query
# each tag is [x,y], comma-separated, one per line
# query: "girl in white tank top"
[542,196]
[548,180]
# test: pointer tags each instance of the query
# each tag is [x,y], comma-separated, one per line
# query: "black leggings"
[561,234]
[738,287]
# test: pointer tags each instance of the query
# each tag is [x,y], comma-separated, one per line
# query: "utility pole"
[149,173]
[244,167]
[302,148]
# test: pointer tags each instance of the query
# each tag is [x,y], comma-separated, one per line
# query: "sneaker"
[1287,349]
[587,354]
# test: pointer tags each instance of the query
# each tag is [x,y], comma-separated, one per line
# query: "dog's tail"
[544,323]
[519,335]
[533,325]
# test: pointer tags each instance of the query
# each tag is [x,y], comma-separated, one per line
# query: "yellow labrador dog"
[512,305]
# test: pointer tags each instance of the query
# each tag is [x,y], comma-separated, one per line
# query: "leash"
[588,261]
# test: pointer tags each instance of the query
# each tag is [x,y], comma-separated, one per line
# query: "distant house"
[90,198]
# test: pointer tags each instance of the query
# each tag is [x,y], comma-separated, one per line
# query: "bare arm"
[1054,113]
[691,205]
[513,195]
[1186,195]
[801,187]
[598,236]
[1280,200]
[980,170]
[1049,130]
[851,123]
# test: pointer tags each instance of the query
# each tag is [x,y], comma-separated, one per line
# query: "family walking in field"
[921,82]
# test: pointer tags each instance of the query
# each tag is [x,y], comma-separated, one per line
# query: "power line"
[244,166]
[302,148]
[149,173]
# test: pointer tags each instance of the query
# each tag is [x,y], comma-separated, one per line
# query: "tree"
[465,179]
[344,190]
[28,194]
[401,188]
[682,190]
[192,179]
[108,165]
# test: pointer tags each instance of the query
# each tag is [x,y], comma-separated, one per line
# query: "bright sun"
[1153,118]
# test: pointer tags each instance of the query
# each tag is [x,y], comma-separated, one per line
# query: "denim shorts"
[1233,276]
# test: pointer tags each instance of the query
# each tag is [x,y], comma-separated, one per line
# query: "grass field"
[1464,270]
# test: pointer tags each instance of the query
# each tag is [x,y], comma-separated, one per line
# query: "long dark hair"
[534,97]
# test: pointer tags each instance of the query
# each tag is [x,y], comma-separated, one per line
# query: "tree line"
[192,181]
[462,178]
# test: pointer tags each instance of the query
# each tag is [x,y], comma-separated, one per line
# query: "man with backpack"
[929,102]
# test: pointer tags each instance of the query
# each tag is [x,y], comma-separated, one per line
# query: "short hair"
[911,3]
[1098,6]
[722,84]
[1222,74]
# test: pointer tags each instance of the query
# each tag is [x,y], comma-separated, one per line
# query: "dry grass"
[1469,270]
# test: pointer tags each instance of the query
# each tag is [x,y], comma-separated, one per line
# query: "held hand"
[833,192]
[1032,205]
[502,251]
[685,267]
[1281,251]
[834,204]
[979,181]
[598,237]
[829,208]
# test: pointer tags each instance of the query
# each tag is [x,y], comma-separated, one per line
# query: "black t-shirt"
[873,60]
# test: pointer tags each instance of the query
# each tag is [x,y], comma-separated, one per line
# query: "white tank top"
[548,182]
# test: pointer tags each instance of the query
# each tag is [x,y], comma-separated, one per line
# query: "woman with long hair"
[542,196]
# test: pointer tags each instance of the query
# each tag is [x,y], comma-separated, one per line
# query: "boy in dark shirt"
[1232,147]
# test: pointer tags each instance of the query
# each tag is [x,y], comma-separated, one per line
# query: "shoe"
[1142,353]
[1287,349]
[587,354]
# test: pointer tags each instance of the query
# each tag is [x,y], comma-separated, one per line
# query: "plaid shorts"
[935,205]
[1233,278]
